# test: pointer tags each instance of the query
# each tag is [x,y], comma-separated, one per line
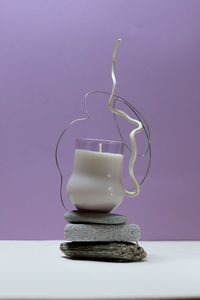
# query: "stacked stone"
[101,236]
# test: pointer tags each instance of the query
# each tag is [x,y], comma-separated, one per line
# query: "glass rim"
[98,141]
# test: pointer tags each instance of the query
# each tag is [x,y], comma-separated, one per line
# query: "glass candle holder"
[96,180]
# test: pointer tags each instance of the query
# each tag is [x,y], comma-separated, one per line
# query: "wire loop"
[137,114]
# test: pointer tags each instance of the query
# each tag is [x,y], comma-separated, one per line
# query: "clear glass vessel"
[96,180]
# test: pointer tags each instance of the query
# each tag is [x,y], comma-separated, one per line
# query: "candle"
[96,181]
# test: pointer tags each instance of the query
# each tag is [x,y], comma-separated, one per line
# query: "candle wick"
[100,147]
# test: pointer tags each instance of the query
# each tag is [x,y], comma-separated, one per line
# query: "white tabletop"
[38,270]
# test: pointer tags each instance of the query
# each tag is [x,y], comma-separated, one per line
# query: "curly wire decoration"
[137,114]
[130,120]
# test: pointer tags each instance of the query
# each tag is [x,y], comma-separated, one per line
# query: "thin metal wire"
[56,156]
[146,130]
[134,110]
[140,118]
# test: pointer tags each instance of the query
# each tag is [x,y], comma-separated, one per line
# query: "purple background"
[51,54]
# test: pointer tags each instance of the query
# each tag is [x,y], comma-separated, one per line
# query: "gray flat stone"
[104,251]
[97,232]
[84,217]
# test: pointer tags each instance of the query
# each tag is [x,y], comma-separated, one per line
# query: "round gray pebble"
[84,217]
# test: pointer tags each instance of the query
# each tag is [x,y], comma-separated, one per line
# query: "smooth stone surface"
[97,232]
[104,251]
[84,217]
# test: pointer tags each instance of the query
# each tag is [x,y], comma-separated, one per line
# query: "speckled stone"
[97,232]
[124,252]
[84,217]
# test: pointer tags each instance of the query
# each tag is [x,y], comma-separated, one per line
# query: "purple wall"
[51,54]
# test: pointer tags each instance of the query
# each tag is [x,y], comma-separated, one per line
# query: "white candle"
[96,181]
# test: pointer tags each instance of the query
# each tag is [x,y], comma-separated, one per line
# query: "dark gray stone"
[104,251]
[84,217]
[102,233]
